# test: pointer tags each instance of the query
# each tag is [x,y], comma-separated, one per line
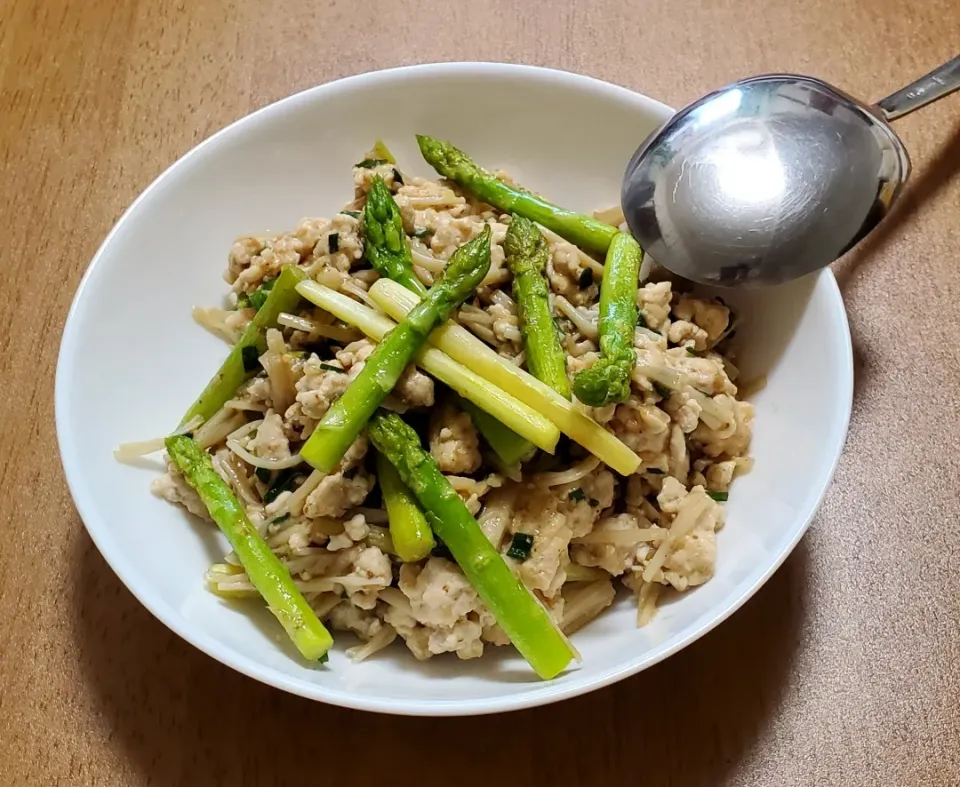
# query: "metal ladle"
[770,178]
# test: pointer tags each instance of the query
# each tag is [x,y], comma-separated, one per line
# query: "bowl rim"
[545,693]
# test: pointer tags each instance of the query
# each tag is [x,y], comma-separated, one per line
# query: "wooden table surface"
[843,670]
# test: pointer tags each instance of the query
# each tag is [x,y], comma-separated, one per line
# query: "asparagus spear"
[349,414]
[412,537]
[461,345]
[519,614]
[242,361]
[522,419]
[268,575]
[526,256]
[455,165]
[608,380]
[385,243]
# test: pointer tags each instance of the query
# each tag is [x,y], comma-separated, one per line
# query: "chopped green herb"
[250,357]
[561,334]
[720,497]
[281,483]
[370,163]
[653,470]
[661,389]
[520,546]
[576,494]
[355,213]
[586,278]
[421,232]
[258,298]
[333,242]
[281,518]
[331,368]
[441,550]
[268,284]
[243,301]
[324,658]
[593,502]
[263,474]
[397,177]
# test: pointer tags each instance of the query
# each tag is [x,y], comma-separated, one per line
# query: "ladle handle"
[933,86]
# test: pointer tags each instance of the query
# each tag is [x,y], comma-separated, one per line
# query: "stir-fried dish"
[452,414]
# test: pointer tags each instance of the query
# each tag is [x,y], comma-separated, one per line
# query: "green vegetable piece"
[333,242]
[281,483]
[250,355]
[661,390]
[520,615]
[520,546]
[720,497]
[259,296]
[244,357]
[397,177]
[608,380]
[455,165]
[268,575]
[385,243]
[329,367]
[257,299]
[371,163]
[382,152]
[526,257]
[355,213]
[440,550]
[412,537]
[349,414]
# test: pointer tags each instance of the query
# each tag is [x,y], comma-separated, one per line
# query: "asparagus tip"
[523,238]
[606,382]
[449,161]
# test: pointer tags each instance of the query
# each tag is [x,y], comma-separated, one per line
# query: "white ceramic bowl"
[132,359]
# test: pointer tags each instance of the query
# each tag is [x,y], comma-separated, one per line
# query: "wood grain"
[842,671]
